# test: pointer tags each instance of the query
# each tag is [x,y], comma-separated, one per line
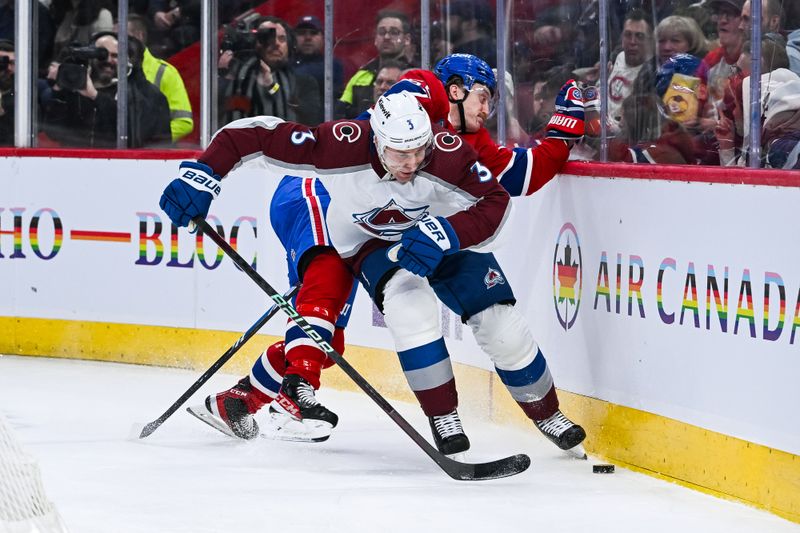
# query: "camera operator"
[83,109]
[265,83]
[7,65]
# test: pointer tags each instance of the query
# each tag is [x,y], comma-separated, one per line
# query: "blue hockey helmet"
[471,69]
[686,64]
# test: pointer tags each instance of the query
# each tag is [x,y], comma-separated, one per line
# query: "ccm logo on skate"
[289,406]
[203,181]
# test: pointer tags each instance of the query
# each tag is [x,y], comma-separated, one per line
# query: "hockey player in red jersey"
[431,234]
[469,93]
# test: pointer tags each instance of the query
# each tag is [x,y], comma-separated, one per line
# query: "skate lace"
[305,395]
[448,425]
[555,425]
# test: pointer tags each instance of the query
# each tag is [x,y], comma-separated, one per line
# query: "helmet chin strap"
[460,104]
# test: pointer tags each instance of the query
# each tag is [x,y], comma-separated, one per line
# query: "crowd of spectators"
[677,90]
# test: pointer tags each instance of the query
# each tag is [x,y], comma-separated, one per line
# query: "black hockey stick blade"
[455,469]
[150,427]
[508,466]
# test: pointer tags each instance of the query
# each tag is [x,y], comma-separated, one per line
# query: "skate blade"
[577,452]
[201,413]
[282,426]
[461,457]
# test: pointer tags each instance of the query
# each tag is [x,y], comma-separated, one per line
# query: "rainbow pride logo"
[567,276]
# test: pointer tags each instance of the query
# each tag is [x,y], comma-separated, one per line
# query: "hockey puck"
[603,469]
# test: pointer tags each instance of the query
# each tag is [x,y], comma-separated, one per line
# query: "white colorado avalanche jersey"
[367,204]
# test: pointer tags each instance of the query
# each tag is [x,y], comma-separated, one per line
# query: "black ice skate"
[296,399]
[561,431]
[448,434]
[228,411]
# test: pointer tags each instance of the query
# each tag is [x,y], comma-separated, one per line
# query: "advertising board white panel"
[677,298]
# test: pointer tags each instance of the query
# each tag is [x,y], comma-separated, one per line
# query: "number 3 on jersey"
[299,137]
[484,174]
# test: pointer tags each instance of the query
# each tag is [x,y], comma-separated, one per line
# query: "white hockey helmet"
[399,121]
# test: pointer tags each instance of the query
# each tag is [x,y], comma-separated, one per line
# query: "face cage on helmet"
[380,146]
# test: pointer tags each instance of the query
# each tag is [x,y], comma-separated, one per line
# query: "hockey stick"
[505,467]
[152,426]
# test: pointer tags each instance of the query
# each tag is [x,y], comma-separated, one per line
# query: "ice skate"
[448,434]
[298,402]
[231,411]
[564,433]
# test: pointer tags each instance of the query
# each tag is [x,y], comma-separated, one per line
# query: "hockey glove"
[423,247]
[567,122]
[190,195]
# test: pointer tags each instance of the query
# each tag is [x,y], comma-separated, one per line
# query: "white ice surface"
[75,417]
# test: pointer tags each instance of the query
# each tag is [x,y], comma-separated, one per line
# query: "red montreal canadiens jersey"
[366,202]
[521,171]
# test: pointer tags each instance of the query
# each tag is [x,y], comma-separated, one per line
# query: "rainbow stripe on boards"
[235,235]
[618,289]
[58,233]
[669,262]
[100,236]
[690,296]
[16,232]
[602,282]
[720,304]
[567,278]
[771,278]
[154,238]
[796,322]
[200,245]
[635,287]
[747,311]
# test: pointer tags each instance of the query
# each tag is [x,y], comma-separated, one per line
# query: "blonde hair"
[688,29]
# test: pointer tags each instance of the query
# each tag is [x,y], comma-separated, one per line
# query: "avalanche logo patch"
[347,131]
[447,142]
[492,278]
[567,276]
[390,220]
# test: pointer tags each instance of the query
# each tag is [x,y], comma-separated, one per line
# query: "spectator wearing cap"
[718,64]
[267,83]
[309,57]
[472,31]
[392,40]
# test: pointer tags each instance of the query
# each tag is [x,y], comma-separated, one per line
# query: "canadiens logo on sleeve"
[390,220]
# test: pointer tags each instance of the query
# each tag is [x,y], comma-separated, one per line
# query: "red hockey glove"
[567,122]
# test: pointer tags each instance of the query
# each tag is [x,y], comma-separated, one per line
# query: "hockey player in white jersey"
[394,179]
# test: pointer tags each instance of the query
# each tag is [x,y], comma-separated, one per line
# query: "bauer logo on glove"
[206,182]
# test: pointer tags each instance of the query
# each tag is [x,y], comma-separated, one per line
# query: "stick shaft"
[224,358]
